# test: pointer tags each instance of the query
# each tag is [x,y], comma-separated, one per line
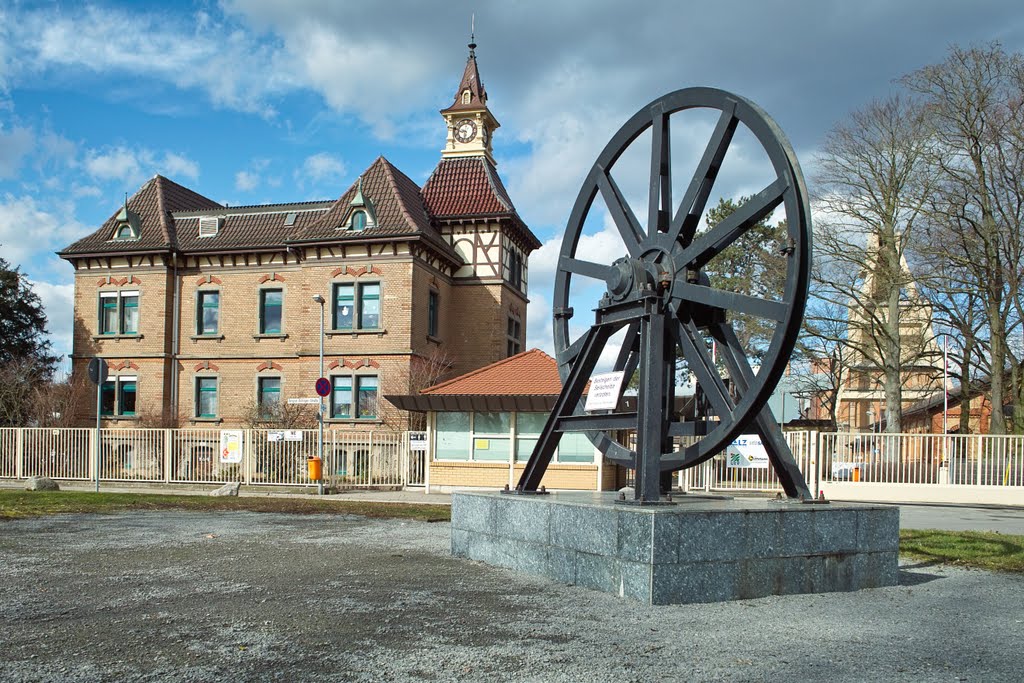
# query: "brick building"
[211,314]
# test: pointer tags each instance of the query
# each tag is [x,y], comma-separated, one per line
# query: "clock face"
[465,130]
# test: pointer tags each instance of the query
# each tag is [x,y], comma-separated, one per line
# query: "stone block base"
[704,549]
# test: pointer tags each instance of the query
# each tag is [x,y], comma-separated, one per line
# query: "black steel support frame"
[677,308]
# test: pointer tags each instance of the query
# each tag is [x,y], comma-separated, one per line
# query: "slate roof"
[154,202]
[470,80]
[531,373]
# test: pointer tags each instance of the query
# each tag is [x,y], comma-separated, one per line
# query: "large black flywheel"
[668,269]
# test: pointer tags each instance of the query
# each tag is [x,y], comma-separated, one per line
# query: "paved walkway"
[1004,520]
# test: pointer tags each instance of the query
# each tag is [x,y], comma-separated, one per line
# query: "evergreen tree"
[23,337]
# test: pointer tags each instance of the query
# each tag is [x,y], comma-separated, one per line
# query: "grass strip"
[977,549]
[20,504]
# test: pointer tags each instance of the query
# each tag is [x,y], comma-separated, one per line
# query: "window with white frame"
[117,396]
[119,312]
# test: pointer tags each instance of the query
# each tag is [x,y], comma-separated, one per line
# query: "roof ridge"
[390,168]
[488,170]
[164,214]
[474,373]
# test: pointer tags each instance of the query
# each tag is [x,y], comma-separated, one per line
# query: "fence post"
[250,456]
[981,452]
[168,454]
[19,453]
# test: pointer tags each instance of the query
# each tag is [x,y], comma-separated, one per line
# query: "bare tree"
[872,186]
[822,359]
[974,105]
[426,371]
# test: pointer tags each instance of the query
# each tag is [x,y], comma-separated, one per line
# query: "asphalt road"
[183,596]
[1004,520]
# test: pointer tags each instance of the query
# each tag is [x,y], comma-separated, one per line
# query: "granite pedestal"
[703,549]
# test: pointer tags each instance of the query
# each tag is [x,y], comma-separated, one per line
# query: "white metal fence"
[273,458]
[849,457]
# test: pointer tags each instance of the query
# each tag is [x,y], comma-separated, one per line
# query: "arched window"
[466,96]
[358,220]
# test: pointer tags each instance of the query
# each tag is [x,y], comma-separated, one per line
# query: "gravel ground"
[246,596]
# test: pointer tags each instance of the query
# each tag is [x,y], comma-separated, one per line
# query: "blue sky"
[253,101]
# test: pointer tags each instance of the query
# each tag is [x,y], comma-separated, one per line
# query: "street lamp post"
[320,442]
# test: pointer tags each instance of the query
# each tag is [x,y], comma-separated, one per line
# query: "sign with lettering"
[604,391]
[231,446]
[747,451]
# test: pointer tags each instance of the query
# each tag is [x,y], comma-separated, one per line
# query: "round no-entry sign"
[323,387]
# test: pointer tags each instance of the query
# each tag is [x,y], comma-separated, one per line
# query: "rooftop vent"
[209,225]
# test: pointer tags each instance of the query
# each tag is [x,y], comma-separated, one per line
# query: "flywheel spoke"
[711,243]
[687,218]
[660,203]
[729,301]
[700,362]
[735,357]
[584,268]
[630,230]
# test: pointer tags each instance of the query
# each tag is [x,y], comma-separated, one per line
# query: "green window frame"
[108,312]
[359,220]
[129,317]
[356,306]
[118,397]
[108,398]
[354,397]
[269,389]
[206,397]
[126,396]
[119,312]
[208,312]
[271,311]
[341,396]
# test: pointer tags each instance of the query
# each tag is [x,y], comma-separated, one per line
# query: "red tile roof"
[464,186]
[531,373]
[154,202]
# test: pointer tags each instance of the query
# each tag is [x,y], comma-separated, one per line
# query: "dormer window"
[358,220]
[128,224]
[361,213]
[466,96]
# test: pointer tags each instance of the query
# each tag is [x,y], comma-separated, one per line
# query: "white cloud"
[320,168]
[176,165]
[246,181]
[132,167]
[28,230]
[58,301]
[14,146]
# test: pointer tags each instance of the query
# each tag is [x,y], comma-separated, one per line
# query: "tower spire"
[472,34]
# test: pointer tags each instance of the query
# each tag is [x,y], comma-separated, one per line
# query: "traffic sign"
[323,387]
[98,371]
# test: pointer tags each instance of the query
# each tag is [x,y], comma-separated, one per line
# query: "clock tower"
[470,123]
